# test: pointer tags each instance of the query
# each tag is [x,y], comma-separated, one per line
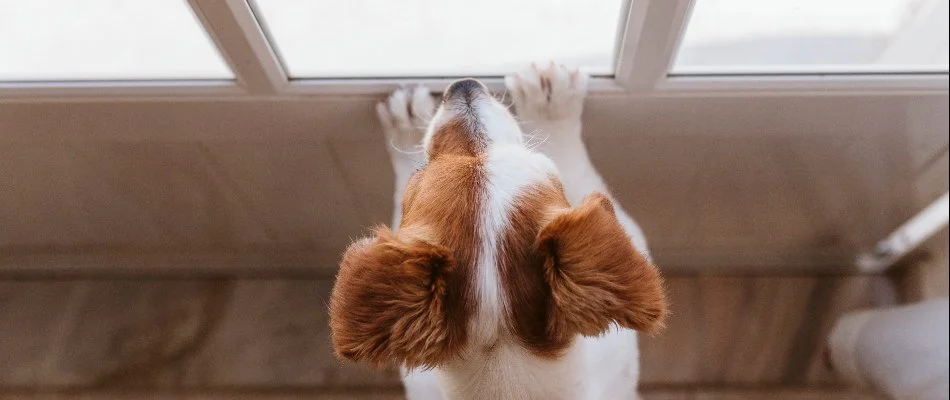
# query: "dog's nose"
[464,89]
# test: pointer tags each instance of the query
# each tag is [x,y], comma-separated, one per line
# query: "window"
[423,38]
[288,48]
[65,40]
[814,36]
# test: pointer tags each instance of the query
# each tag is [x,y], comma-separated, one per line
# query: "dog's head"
[488,250]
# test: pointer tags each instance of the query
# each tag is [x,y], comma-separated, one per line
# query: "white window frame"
[647,46]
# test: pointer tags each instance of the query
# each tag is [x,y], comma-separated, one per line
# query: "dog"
[510,272]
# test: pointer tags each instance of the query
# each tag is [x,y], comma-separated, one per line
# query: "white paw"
[404,116]
[554,93]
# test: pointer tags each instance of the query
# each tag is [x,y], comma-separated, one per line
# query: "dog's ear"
[389,302]
[596,276]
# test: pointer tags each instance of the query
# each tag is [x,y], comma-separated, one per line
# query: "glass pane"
[814,36]
[416,38]
[60,40]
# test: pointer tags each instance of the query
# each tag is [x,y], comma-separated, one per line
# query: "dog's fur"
[512,275]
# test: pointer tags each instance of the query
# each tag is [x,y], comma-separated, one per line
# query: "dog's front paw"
[551,94]
[404,116]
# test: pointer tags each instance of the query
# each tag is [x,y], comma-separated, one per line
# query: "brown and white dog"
[512,274]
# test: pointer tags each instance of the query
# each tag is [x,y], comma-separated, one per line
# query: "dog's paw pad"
[404,116]
[554,92]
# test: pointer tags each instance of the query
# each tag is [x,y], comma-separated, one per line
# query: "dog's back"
[512,274]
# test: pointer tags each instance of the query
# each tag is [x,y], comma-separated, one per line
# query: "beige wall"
[928,132]
[743,182]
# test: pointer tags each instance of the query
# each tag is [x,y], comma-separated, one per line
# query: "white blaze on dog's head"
[485,120]
[488,251]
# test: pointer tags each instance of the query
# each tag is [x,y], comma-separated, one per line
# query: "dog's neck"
[507,371]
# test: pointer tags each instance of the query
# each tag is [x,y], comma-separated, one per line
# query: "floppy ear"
[389,302]
[597,278]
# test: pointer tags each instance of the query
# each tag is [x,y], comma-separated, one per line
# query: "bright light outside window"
[425,38]
[68,40]
[814,36]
